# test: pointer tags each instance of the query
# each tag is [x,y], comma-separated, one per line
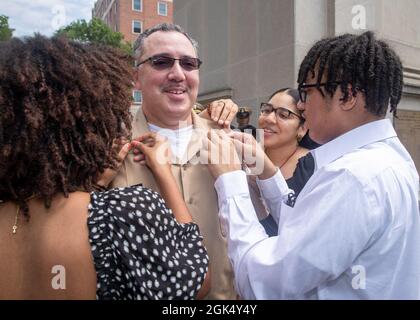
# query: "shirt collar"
[195,144]
[352,140]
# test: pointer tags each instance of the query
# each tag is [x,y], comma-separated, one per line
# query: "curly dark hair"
[61,105]
[367,64]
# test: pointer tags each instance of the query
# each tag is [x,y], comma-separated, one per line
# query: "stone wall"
[251,48]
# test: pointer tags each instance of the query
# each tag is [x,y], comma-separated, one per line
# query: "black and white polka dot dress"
[140,251]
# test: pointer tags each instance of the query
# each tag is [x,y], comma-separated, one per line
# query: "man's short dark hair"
[367,64]
[165,27]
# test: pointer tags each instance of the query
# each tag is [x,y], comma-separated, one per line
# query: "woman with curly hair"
[63,108]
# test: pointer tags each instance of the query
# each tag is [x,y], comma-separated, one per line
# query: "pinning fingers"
[217,109]
[228,113]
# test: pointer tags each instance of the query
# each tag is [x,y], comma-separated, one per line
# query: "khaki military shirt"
[197,187]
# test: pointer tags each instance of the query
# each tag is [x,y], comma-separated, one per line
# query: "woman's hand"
[155,152]
[122,147]
[221,112]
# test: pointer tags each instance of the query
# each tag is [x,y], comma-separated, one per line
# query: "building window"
[137,26]
[137,5]
[162,8]
[137,96]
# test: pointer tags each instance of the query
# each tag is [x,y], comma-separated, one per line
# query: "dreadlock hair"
[367,64]
[61,105]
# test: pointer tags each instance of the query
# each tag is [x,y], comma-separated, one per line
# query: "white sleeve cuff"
[231,184]
[274,186]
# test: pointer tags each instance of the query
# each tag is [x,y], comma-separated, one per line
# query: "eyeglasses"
[281,113]
[303,93]
[160,62]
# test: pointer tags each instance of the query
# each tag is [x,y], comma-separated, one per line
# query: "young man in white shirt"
[353,232]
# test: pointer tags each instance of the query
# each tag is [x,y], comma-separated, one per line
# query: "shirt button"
[190,201]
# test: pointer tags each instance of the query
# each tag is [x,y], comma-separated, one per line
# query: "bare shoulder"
[69,217]
[71,247]
[65,224]
[53,242]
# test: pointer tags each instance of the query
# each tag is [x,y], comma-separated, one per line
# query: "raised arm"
[122,146]
[157,157]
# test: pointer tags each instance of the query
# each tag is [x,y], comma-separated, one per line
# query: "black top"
[304,170]
[308,143]
[140,251]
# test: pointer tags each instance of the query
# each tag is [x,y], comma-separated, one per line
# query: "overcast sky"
[44,16]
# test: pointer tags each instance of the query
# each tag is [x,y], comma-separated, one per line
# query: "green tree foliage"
[5,32]
[95,31]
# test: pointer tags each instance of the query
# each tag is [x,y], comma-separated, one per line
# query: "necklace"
[15,225]
[287,160]
[14,228]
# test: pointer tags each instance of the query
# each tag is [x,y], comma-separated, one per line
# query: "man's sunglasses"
[160,62]
[281,113]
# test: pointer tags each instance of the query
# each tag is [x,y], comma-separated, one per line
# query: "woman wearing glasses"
[284,131]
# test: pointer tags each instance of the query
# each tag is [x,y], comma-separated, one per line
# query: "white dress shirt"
[178,139]
[352,233]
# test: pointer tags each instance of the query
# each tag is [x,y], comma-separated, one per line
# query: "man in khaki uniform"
[167,75]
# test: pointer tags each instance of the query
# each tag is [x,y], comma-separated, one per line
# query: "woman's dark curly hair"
[61,105]
[368,64]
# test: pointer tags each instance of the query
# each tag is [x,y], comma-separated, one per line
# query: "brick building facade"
[131,17]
